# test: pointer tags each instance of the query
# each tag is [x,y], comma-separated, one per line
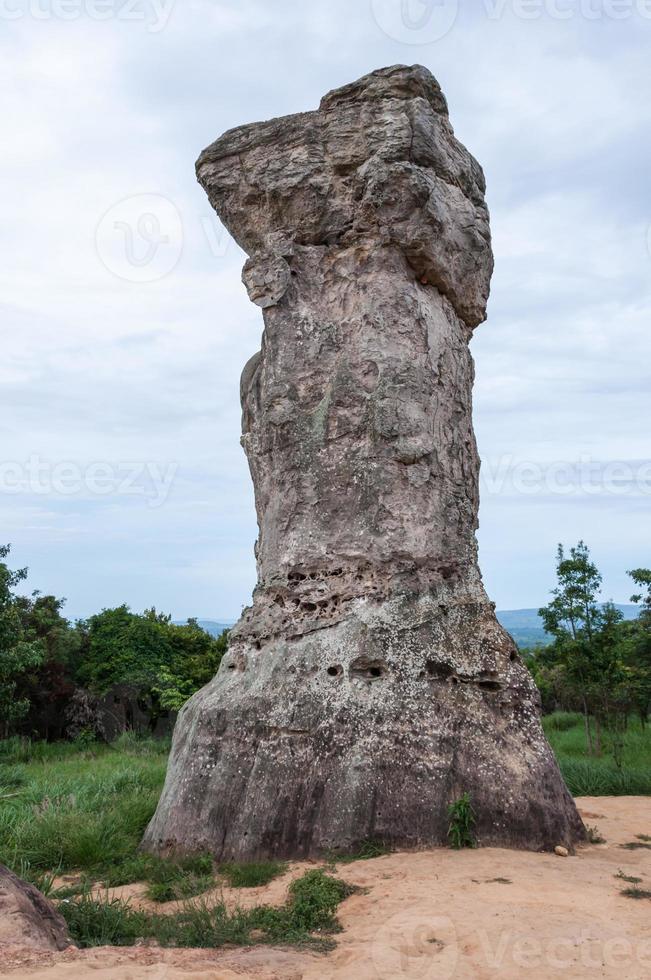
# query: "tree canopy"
[50,666]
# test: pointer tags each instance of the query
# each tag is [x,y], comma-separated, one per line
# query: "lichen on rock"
[369,684]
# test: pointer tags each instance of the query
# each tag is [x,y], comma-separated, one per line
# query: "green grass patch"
[366,851]
[173,881]
[631,879]
[307,918]
[104,922]
[169,880]
[594,835]
[252,874]
[179,888]
[562,721]
[636,893]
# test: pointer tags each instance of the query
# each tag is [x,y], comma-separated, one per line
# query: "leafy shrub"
[594,835]
[313,900]
[83,718]
[462,822]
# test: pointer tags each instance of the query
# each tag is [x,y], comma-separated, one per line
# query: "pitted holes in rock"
[490,685]
[367,669]
[438,670]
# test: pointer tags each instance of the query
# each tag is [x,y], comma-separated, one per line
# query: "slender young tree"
[573,617]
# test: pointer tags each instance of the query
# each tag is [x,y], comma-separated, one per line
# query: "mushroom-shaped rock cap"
[376,165]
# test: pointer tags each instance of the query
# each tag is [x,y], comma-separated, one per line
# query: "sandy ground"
[434,914]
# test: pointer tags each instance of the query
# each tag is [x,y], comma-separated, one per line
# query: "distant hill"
[525,625]
[209,625]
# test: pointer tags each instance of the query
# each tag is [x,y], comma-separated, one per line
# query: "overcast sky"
[125,325]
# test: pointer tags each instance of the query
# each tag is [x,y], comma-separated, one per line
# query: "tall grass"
[587,775]
[70,808]
[67,810]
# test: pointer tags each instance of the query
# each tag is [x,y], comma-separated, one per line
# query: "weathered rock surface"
[369,685]
[27,918]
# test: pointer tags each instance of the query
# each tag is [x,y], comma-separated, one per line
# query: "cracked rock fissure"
[369,684]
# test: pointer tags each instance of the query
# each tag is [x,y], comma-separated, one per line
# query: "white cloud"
[95,368]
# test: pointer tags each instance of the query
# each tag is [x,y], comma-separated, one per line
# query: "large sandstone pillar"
[369,684]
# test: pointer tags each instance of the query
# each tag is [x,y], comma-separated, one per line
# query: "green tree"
[123,648]
[18,655]
[163,663]
[642,578]
[574,608]
[596,662]
[638,645]
[573,617]
[49,687]
[197,656]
